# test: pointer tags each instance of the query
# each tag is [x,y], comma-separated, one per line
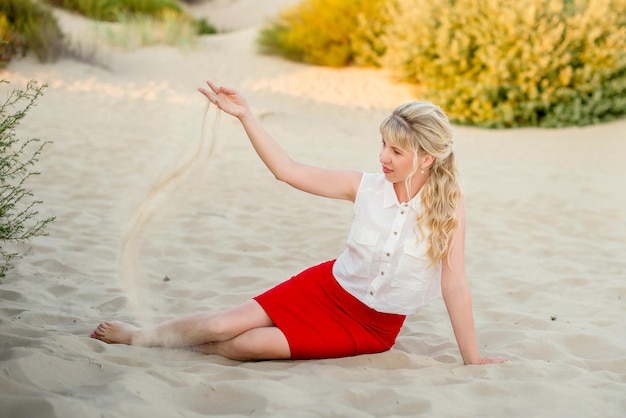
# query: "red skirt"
[321,320]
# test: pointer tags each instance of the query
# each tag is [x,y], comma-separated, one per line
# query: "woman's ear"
[428,161]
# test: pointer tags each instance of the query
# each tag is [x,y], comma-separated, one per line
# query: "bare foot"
[114,332]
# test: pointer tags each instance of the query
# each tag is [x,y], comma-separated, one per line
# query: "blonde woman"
[405,247]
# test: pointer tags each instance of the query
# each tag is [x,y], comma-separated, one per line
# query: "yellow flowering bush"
[505,63]
[327,32]
[494,63]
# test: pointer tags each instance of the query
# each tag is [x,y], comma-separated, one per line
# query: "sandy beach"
[546,238]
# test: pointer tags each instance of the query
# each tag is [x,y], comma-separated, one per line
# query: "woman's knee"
[230,323]
[221,327]
[268,343]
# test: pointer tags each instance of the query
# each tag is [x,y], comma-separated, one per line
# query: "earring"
[422,171]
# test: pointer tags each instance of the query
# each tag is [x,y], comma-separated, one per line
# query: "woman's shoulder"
[373,178]
[372,183]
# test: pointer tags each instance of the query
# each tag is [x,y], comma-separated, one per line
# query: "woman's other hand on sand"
[489,360]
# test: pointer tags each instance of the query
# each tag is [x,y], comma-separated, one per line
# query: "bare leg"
[268,343]
[191,330]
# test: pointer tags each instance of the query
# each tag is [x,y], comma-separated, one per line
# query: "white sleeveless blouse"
[385,264]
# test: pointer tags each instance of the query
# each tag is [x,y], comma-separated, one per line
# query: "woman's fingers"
[492,360]
[212,97]
[216,89]
[221,89]
[204,92]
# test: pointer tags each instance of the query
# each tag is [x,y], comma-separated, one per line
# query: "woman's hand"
[488,360]
[226,99]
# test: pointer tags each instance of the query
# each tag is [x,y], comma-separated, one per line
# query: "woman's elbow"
[454,286]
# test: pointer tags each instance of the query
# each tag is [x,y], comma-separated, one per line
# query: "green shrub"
[9,45]
[151,7]
[126,10]
[169,28]
[204,27]
[110,10]
[31,27]
[505,63]
[17,159]
[95,9]
[327,32]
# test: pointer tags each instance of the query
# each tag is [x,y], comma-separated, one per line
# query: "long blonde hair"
[422,127]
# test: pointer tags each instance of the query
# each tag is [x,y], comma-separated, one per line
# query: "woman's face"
[397,163]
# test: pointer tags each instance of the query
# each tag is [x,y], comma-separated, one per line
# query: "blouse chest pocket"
[413,267]
[416,249]
[364,236]
[361,249]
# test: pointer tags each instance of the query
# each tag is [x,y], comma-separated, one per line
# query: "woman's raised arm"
[336,184]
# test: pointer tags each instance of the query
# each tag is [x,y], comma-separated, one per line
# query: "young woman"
[405,247]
